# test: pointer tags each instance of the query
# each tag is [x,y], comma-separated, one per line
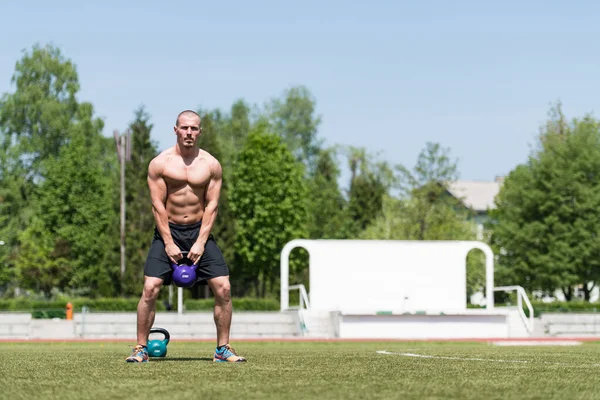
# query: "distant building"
[478,197]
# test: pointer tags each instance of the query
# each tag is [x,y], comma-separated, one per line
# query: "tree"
[37,114]
[71,237]
[326,203]
[12,216]
[369,182]
[238,127]
[425,210]
[391,224]
[435,215]
[268,199]
[548,211]
[36,122]
[223,136]
[139,217]
[225,133]
[294,120]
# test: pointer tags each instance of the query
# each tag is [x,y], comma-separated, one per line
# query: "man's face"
[188,130]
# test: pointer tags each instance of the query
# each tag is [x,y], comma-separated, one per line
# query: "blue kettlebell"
[184,273]
[158,348]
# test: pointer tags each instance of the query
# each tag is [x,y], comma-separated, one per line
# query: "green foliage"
[58,174]
[138,210]
[369,182]
[391,224]
[100,304]
[548,211]
[50,309]
[268,200]
[425,210]
[238,304]
[14,214]
[540,308]
[326,203]
[431,212]
[49,314]
[42,262]
[34,124]
[37,114]
[70,235]
[555,307]
[294,120]
[236,130]
[223,136]
[213,139]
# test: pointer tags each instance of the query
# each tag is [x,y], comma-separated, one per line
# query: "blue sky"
[476,76]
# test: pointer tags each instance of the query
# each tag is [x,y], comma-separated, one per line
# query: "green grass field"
[289,370]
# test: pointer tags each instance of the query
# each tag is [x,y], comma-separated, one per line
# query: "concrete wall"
[193,325]
[468,324]
[570,325]
[274,325]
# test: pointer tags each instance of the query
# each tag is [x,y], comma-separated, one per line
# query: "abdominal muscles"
[185,206]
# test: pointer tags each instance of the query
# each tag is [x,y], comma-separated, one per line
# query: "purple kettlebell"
[184,274]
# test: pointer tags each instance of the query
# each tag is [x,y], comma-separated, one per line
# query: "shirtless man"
[185,184]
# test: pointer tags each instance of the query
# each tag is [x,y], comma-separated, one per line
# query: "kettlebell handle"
[164,332]
[184,254]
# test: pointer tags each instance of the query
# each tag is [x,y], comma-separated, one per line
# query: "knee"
[151,290]
[223,292]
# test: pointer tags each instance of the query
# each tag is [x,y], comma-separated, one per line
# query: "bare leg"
[221,289]
[146,310]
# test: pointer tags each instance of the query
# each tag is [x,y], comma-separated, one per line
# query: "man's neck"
[187,152]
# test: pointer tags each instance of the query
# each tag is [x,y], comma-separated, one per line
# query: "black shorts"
[211,264]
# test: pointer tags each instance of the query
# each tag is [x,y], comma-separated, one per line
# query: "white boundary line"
[483,359]
[536,343]
[448,358]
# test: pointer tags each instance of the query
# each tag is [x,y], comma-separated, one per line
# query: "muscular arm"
[211,205]
[158,195]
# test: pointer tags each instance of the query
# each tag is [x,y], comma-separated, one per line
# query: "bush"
[111,304]
[40,308]
[564,307]
[540,307]
[197,305]
[239,304]
[49,314]
[57,308]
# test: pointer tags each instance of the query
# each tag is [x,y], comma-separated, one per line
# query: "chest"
[196,174]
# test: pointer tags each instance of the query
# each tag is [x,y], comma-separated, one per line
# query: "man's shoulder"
[213,164]
[159,161]
[163,155]
[210,159]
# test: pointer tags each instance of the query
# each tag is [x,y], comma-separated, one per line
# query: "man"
[185,185]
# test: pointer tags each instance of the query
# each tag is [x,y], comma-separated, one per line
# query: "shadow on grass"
[167,358]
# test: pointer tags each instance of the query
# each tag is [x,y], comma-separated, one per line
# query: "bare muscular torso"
[186,179]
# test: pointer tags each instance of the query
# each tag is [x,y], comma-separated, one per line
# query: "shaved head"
[186,113]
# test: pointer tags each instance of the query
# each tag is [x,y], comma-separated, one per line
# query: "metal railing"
[521,295]
[304,304]
[84,313]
